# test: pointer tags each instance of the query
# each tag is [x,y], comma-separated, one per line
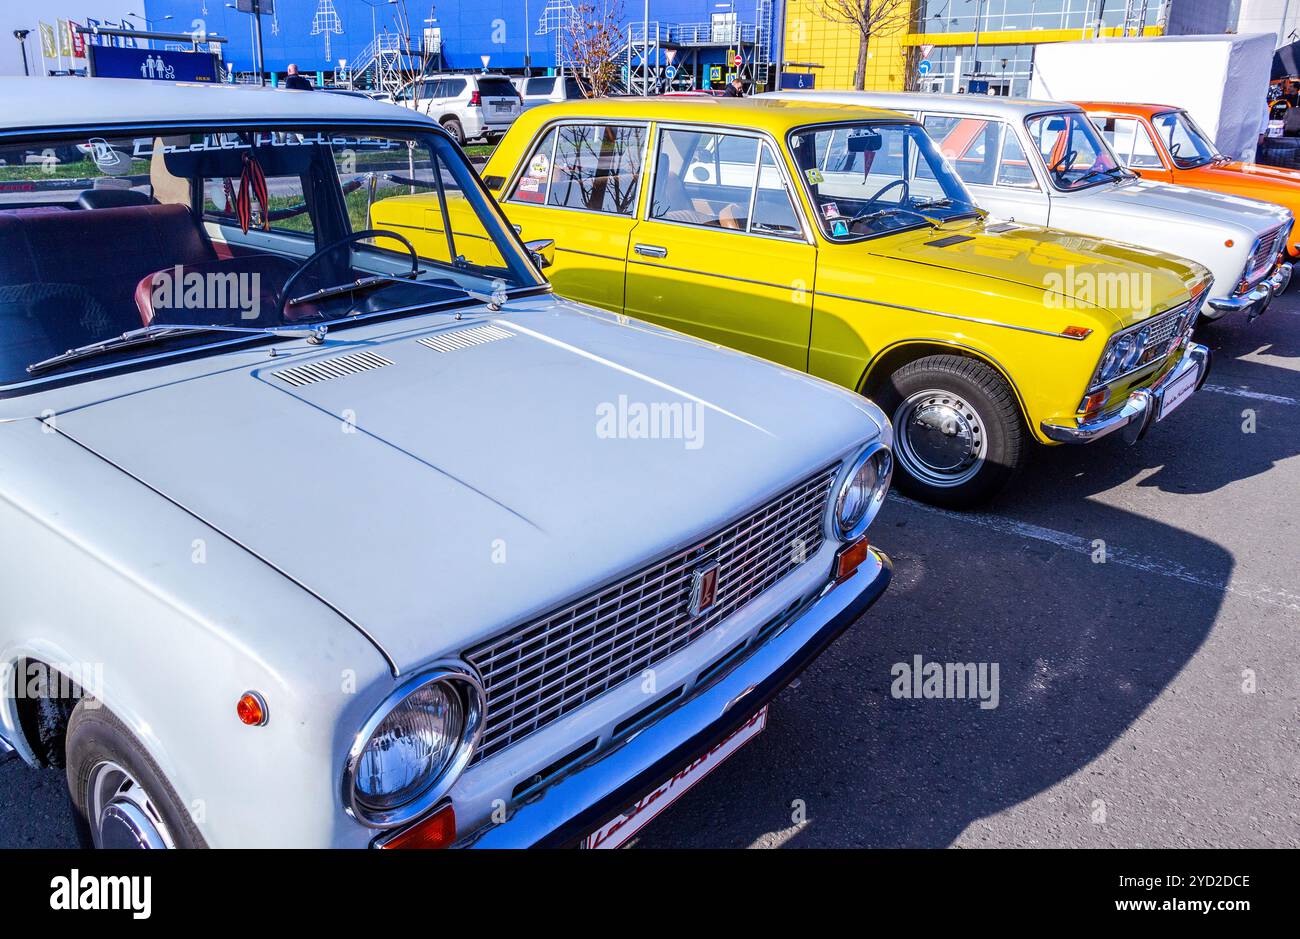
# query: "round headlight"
[414,747]
[862,491]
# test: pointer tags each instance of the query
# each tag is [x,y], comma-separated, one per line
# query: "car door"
[431,97]
[579,185]
[722,252]
[989,157]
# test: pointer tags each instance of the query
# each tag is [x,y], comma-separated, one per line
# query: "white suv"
[468,106]
[546,89]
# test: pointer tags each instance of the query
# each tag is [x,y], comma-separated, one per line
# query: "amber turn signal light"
[436,831]
[252,709]
[850,558]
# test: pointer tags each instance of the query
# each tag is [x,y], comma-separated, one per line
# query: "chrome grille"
[1264,253]
[538,672]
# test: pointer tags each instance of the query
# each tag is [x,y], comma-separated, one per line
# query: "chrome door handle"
[651,251]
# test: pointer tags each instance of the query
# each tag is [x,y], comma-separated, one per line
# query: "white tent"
[1222,81]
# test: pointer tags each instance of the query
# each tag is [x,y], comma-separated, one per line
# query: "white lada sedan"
[313,539]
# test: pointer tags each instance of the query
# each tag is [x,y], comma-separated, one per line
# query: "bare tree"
[590,38]
[867,17]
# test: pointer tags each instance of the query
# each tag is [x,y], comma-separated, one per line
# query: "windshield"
[1072,151]
[1187,144]
[871,179]
[103,235]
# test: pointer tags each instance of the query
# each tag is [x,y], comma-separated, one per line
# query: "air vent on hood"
[464,338]
[949,241]
[337,367]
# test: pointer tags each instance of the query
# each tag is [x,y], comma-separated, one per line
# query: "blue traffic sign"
[924,67]
[671,72]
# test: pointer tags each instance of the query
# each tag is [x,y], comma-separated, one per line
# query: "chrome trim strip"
[951,316]
[683,270]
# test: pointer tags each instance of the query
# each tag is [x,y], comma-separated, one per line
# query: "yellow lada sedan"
[839,242]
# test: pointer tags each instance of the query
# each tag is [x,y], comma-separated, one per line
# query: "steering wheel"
[866,209]
[1065,163]
[286,293]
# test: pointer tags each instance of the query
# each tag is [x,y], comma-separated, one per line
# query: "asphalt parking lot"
[1152,699]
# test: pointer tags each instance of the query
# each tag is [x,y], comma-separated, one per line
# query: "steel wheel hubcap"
[121,813]
[941,439]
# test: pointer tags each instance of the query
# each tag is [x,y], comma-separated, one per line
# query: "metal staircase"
[382,58]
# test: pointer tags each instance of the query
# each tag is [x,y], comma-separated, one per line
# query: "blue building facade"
[316,34]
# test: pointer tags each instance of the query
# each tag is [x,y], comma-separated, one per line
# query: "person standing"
[295,81]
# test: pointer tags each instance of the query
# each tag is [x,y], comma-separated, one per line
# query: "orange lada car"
[1163,143]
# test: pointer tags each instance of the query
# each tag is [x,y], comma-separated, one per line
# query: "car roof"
[979,105]
[1127,107]
[36,103]
[771,114]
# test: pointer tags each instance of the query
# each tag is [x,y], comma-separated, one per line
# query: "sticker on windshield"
[815,177]
[530,185]
[540,166]
[839,227]
[831,211]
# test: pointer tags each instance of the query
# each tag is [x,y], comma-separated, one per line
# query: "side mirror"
[542,252]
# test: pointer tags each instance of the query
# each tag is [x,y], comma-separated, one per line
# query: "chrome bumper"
[1141,408]
[579,803]
[1254,301]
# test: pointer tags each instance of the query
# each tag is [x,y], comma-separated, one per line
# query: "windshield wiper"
[932,222]
[494,301]
[314,334]
[1115,172]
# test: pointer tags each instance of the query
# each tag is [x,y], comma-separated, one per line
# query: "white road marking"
[1253,395]
[1165,567]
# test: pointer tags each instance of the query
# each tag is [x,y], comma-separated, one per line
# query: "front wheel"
[959,438]
[120,794]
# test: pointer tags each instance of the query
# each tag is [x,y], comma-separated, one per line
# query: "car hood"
[478,480]
[1181,204]
[1055,262]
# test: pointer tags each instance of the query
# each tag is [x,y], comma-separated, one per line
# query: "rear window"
[496,88]
[539,86]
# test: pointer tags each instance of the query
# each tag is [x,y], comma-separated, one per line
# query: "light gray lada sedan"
[313,539]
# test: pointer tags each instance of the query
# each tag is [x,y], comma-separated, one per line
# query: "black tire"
[96,736]
[981,410]
[453,127]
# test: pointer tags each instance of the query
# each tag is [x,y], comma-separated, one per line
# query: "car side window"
[970,144]
[451,88]
[714,180]
[1013,166]
[593,167]
[539,86]
[1130,140]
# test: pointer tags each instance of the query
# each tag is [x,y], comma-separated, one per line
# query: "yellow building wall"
[811,38]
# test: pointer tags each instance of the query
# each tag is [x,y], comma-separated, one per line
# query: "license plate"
[1178,391]
[617,831]
[501,105]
